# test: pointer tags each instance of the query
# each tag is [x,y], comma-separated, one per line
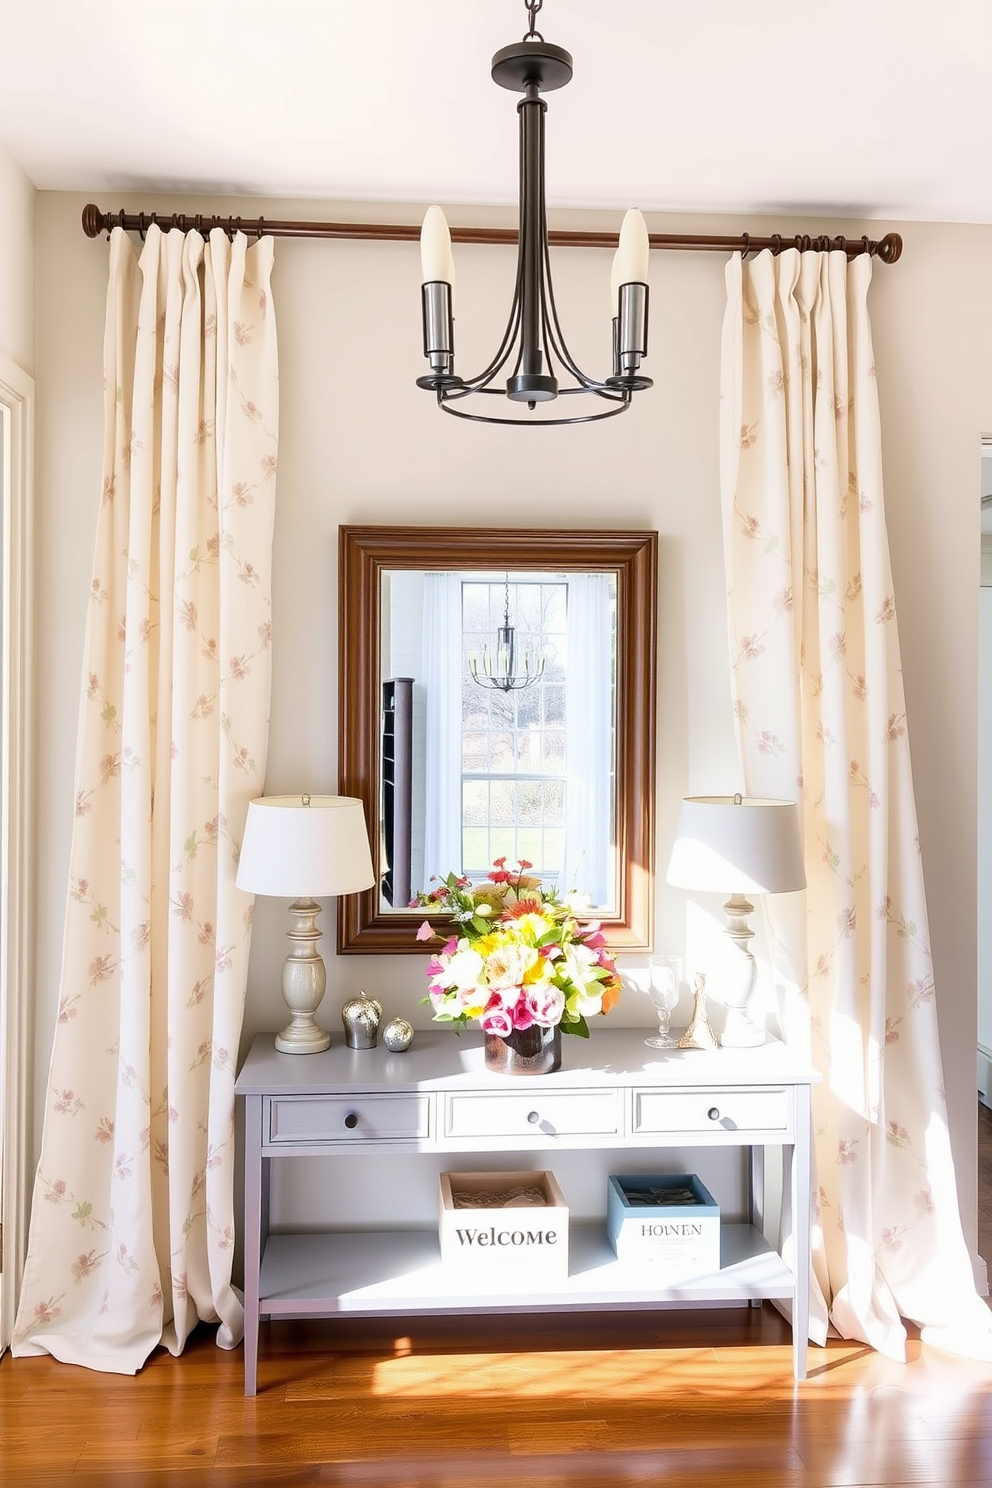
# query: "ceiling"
[863,108]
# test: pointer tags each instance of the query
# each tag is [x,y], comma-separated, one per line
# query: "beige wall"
[360,443]
[17,245]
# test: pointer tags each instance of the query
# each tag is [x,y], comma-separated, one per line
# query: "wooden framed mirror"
[457,769]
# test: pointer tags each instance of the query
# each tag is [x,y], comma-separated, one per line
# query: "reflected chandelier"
[533,347]
[500,670]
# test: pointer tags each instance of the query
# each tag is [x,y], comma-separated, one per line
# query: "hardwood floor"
[704,1399]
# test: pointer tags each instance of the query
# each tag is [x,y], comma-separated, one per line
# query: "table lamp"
[295,847]
[739,845]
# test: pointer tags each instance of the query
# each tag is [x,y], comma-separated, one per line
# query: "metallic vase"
[525,1051]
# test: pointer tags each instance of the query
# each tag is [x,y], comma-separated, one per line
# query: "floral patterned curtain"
[132,1226]
[821,717]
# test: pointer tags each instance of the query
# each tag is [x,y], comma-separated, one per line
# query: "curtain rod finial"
[92,220]
[890,248]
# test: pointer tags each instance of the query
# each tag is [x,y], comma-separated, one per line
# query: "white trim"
[16,855]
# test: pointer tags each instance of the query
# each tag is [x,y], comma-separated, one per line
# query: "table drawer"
[561,1113]
[347,1119]
[695,1111]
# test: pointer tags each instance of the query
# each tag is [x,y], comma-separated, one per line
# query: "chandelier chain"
[532,7]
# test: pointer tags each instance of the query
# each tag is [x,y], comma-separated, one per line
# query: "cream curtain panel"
[821,718]
[132,1227]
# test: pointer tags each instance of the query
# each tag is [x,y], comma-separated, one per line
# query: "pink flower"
[426,931]
[497,1020]
[522,1013]
[546,1003]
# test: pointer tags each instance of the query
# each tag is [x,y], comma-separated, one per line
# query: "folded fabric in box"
[668,1220]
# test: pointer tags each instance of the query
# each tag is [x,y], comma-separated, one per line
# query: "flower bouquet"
[518,956]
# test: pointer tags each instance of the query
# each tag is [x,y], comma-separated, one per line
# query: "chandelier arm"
[479,383]
[554,337]
[553,334]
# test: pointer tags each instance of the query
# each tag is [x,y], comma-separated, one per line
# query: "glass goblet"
[663,989]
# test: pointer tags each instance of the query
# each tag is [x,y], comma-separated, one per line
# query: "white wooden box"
[678,1235]
[527,1244]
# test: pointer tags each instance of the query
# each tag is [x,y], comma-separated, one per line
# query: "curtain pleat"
[132,1227]
[821,718]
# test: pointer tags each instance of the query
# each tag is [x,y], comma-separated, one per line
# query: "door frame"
[16,800]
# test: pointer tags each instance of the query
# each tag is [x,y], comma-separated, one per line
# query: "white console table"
[612,1091]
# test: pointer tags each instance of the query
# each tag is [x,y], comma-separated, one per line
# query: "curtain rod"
[888,248]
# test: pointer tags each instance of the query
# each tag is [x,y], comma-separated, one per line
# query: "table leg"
[801,1204]
[255,1206]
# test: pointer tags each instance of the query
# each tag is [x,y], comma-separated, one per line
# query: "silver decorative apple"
[397,1035]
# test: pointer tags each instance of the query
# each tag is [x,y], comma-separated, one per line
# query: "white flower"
[577,902]
[581,968]
[463,970]
[508,964]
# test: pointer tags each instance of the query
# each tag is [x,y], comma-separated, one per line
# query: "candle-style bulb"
[631,262]
[436,261]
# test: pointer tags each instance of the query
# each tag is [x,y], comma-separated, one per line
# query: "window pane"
[554,750]
[530,801]
[475,751]
[502,802]
[502,752]
[554,704]
[475,802]
[475,849]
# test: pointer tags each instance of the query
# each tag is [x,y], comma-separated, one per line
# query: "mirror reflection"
[498,728]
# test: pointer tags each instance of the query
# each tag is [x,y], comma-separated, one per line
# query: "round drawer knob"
[533,1117]
[713,1113]
[351,1120]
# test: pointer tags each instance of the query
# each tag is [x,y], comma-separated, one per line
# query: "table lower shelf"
[396,1272]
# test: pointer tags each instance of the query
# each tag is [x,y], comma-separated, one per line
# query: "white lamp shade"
[737,845]
[305,847]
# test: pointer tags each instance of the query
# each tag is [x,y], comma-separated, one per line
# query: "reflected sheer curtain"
[821,718]
[589,791]
[132,1227]
[442,674]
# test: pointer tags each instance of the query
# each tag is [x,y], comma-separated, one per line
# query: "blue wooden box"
[679,1232]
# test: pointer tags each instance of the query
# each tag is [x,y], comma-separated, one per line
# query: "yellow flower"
[533,927]
[541,971]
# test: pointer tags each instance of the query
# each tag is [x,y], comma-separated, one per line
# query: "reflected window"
[528,773]
[513,741]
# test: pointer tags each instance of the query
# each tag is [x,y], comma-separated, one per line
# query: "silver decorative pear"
[361,1017]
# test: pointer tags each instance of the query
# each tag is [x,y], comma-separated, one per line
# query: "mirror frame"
[363,554]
